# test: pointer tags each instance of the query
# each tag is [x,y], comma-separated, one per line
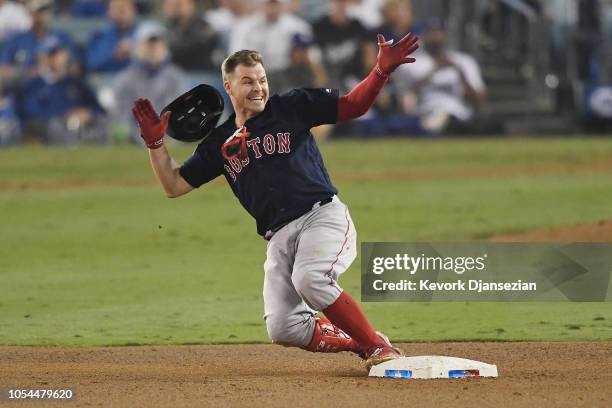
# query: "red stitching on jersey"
[348,226]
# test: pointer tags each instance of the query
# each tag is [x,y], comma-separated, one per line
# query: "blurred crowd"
[58,89]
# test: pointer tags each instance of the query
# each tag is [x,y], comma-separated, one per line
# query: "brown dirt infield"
[600,231]
[542,374]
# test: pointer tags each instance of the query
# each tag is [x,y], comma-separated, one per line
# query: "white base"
[426,367]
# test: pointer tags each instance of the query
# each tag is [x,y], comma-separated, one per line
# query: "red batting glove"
[152,127]
[391,56]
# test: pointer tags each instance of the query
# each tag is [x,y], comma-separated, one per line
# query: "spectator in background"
[397,19]
[588,35]
[14,18]
[18,56]
[367,12]
[340,38]
[229,13]
[193,43]
[152,75]
[110,48]
[270,31]
[302,72]
[89,8]
[448,83]
[57,105]
[10,129]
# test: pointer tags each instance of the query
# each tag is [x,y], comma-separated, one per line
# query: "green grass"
[92,253]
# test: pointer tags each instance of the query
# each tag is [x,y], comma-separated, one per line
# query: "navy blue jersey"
[284,174]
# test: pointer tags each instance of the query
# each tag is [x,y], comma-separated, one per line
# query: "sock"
[348,316]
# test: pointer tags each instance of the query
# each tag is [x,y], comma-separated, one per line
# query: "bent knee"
[289,331]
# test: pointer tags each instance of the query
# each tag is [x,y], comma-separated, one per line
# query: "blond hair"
[244,57]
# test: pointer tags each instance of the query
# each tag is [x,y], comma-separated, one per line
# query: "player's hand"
[391,56]
[152,127]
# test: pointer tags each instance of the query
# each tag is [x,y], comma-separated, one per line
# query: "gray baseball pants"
[304,260]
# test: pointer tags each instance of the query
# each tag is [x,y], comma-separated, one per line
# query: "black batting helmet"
[194,114]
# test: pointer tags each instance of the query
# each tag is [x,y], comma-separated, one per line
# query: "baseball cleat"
[381,353]
[328,338]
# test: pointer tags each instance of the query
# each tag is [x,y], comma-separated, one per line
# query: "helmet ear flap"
[194,114]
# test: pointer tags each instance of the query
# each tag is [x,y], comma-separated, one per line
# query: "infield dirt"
[600,231]
[543,374]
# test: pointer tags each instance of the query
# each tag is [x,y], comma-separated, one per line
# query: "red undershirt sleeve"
[361,97]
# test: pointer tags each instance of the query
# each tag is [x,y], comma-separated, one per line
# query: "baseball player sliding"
[272,163]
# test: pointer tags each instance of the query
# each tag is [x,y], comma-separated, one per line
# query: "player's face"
[434,41]
[153,51]
[247,87]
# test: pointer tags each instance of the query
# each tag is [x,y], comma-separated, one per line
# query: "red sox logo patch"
[281,144]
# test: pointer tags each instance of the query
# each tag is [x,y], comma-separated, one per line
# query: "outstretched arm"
[152,130]
[167,172]
[390,56]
